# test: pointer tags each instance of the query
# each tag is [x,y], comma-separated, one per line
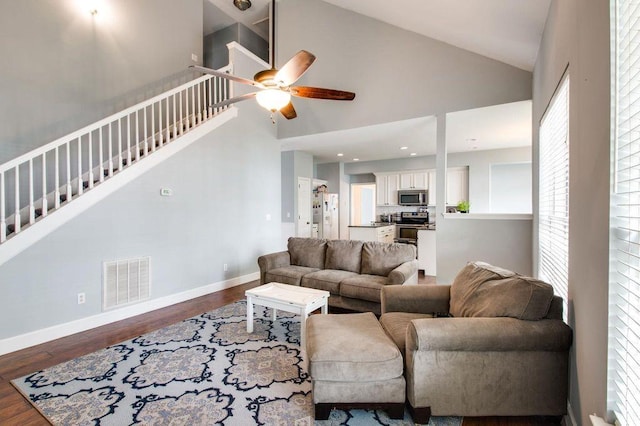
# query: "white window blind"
[624,287]
[553,205]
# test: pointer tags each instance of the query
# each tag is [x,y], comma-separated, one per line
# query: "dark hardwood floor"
[15,410]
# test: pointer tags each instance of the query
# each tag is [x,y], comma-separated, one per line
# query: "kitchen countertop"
[373,225]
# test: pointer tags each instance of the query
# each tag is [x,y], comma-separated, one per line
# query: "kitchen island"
[378,231]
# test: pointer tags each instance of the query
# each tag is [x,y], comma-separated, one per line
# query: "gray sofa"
[505,351]
[353,272]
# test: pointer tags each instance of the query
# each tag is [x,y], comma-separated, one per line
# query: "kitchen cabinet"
[427,251]
[457,185]
[383,234]
[387,189]
[414,180]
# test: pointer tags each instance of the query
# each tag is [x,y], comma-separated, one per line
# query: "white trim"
[489,216]
[26,340]
[234,45]
[56,218]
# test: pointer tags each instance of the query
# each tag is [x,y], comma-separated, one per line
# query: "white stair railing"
[53,175]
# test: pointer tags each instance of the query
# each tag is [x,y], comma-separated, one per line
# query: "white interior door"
[303,224]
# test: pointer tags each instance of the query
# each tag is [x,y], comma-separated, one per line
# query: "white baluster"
[146,133]
[69,188]
[110,150]
[120,162]
[32,208]
[90,159]
[153,127]
[80,181]
[193,107]
[167,124]
[44,185]
[128,140]
[209,109]
[199,105]
[182,95]
[16,217]
[175,123]
[160,135]
[56,181]
[100,156]
[137,135]
[3,220]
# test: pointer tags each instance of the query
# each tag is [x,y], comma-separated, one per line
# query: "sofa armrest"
[421,299]
[488,334]
[407,273]
[271,261]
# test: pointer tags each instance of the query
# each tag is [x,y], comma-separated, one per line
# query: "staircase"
[52,177]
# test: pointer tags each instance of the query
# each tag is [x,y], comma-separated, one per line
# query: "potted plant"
[463,206]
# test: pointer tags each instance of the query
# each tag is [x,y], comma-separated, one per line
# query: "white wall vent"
[126,282]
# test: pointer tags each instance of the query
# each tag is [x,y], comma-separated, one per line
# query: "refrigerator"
[325,215]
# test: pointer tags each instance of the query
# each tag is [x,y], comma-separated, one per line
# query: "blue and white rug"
[202,371]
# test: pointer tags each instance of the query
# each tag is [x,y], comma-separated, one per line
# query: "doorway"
[363,203]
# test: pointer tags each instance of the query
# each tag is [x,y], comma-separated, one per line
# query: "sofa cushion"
[396,323]
[382,258]
[288,274]
[326,279]
[483,290]
[351,348]
[344,255]
[365,287]
[307,252]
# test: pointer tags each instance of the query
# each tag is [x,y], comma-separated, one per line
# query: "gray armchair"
[482,361]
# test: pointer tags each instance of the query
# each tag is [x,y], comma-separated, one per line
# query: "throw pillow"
[382,258]
[483,290]
[344,255]
[307,252]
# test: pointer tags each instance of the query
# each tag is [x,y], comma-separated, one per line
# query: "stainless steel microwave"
[413,197]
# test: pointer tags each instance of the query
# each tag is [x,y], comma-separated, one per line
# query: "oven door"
[407,233]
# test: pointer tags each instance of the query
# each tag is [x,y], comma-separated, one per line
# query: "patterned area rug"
[202,371]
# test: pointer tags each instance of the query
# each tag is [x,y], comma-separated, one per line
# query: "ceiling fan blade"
[227,76]
[295,67]
[288,111]
[234,100]
[320,93]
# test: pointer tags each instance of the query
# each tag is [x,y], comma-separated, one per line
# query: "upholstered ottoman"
[353,364]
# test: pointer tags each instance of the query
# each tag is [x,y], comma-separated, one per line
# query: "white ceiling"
[506,30]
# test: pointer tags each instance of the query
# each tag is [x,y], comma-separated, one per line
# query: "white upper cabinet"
[414,180]
[457,185]
[387,189]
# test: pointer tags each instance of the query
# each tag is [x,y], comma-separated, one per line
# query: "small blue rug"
[202,371]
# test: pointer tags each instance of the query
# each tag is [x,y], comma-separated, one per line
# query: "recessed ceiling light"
[413,153]
[340,154]
[404,147]
[356,159]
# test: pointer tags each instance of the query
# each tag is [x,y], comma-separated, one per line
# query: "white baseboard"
[26,340]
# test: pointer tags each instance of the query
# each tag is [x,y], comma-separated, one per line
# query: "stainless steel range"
[409,225]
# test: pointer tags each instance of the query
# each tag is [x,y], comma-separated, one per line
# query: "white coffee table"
[288,298]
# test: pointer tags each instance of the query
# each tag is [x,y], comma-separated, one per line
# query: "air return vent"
[126,281]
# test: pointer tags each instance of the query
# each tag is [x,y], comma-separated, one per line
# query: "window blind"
[624,286]
[553,204]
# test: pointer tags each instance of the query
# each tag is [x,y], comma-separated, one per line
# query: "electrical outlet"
[81,298]
[268,217]
[225,267]
[194,57]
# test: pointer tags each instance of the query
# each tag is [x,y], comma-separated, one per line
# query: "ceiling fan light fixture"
[273,99]
[242,4]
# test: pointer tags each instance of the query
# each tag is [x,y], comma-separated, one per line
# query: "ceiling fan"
[276,85]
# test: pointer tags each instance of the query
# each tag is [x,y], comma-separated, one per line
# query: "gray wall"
[479,163]
[396,74]
[294,164]
[577,35]
[224,187]
[64,69]
[216,54]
